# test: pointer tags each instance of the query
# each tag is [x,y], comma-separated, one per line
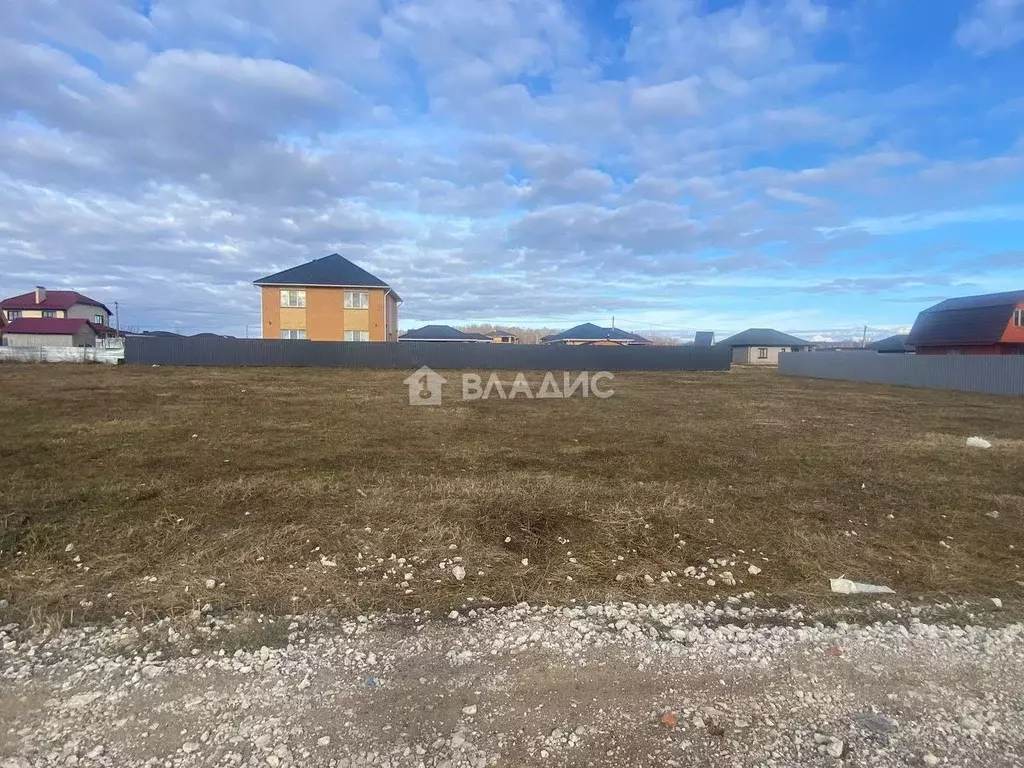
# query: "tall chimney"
[40,294]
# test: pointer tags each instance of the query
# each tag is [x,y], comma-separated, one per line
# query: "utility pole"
[864,338]
[613,321]
[117,318]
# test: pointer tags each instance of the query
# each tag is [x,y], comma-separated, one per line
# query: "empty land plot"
[285,490]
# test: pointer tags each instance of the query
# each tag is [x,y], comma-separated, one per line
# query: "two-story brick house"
[328,299]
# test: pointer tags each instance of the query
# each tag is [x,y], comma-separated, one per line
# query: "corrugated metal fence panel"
[994,375]
[413,354]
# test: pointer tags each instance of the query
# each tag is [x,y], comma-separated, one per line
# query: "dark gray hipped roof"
[897,343]
[333,270]
[763,337]
[440,333]
[965,320]
[591,332]
[703,338]
[502,332]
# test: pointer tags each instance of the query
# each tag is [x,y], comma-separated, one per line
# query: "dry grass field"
[130,489]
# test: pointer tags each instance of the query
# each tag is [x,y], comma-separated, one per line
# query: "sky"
[805,165]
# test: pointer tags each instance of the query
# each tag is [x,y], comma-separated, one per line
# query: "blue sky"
[678,164]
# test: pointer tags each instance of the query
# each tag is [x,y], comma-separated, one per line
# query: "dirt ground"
[156,491]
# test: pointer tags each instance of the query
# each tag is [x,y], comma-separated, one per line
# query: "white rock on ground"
[585,685]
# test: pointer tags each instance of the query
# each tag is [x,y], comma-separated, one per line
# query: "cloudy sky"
[678,164]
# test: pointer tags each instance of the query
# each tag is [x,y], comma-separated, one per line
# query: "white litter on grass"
[753,570]
[459,572]
[327,562]
[978,442]
[996,602]
[847,587]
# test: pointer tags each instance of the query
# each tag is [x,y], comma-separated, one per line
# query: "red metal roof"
[54,300]
[58,326]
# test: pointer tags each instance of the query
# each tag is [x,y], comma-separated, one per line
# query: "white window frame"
[13,314]
[1018,318]
[293,299]
[357,299]
[293,333]
[761,350]
[100,319]
[357,335]
[49,314]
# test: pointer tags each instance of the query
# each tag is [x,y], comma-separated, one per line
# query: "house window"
[293,334]
[99,319]
[357,335]
[1018,318]
[293,298]
[13,314]
[762,353]
[49,313]
[357,300]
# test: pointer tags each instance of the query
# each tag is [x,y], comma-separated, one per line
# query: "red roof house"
[55,305]
[991,324]
[54,332]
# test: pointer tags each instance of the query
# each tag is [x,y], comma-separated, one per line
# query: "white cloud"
[992,25]
[498,157]
[679,98]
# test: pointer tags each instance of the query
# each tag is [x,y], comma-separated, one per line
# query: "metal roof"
[591,332]
[763,337]
[966,320]
[704,338]
[56,326]
[64,300]
[333,270]
[441,333]
[897,343]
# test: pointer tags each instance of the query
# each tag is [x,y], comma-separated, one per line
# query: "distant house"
[591,334]
[991,324]
[891,345]
[443,333]
[55,305]
[328,299]
[704,339]
[55,332]
[761,346]
[499,336]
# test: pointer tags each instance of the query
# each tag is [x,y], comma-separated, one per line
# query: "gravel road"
[617,685]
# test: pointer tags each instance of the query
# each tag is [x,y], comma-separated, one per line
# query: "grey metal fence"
[995,375]
[413,354]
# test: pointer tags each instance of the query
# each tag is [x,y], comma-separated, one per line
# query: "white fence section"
[110,355]
[991,374]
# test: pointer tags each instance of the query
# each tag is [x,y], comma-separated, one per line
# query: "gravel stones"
[600,684]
